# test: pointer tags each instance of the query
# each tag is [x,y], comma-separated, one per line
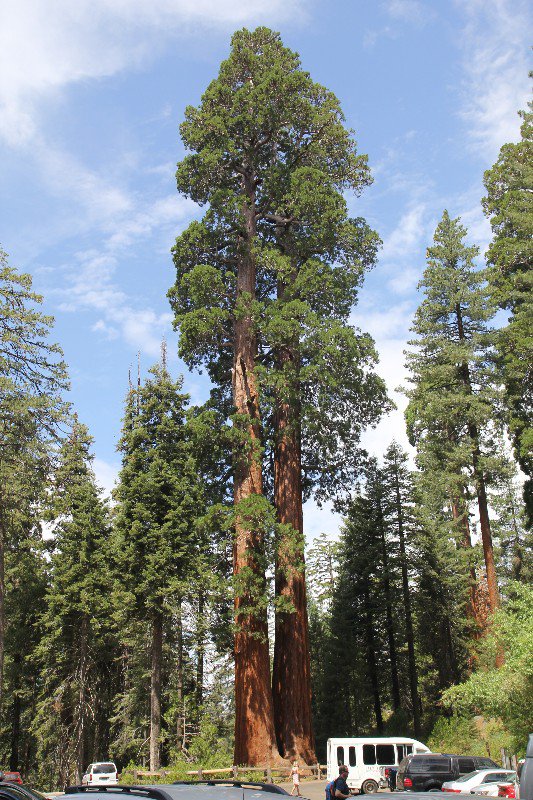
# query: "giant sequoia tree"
[265,284]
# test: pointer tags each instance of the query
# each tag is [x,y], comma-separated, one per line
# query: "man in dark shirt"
[341,787]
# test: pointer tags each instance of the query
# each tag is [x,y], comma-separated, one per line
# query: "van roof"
[378,739]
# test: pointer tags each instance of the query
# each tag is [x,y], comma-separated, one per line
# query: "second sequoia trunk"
[291,679]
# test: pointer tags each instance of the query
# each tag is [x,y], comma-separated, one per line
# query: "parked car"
[476,778]
[12,777]
[422,773]
[491,789]
[507,790]
[99,773]
[202,790]
[526,774]
[13,791]
[183,790]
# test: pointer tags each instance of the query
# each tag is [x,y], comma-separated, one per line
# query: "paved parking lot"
[315,790]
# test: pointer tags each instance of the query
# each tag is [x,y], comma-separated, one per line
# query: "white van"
[99,773]
[367,759]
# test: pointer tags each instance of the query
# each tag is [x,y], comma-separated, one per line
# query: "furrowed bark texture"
[255,740]
[459,515]
[479,478]
[291,678]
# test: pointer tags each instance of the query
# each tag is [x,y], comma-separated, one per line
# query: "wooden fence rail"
[316,772]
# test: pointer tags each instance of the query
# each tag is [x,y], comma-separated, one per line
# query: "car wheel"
[369,787]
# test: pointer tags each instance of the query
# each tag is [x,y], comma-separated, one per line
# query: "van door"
[351,763]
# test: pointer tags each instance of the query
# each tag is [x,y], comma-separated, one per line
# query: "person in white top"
[295,773]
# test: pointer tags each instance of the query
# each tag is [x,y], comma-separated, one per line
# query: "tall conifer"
[455,397]
[273,256]
[509,204]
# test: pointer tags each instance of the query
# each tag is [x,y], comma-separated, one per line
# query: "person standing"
[295,773]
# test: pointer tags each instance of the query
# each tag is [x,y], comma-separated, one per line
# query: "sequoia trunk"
[479,478]
[291,679]
[255,740]
[460,517]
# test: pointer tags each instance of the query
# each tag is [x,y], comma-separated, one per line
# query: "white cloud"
[46,46]
[105,474]
[320,520]
[496,46]
[411,11]
[92,282]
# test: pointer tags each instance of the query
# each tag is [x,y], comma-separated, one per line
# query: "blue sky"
[91,96]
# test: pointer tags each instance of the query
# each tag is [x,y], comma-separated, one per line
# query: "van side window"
[369,754]
[351,757]
[340,756]
[466,765]
[399,750]
[408,749]
[385,754]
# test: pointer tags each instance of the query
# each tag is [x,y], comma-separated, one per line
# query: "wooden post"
[269,774]
[200,774]
[235,772]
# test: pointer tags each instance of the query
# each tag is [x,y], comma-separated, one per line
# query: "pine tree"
[76,648]
[274,254]
[399,517]
[32,378]
[509,204]
[455,397]
[160,553]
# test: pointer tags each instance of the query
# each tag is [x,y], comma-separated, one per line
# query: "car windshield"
[467,777]
[99,768]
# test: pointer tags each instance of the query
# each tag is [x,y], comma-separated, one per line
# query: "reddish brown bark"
[479,478]
[255,741]
[291,679]
[474,611]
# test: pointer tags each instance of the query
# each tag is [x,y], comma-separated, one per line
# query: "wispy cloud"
[46,46]
[411,11]
[92,283]
[496,44]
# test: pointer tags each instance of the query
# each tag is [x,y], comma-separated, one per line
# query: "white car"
[480,777]
[491,789]
[100,772]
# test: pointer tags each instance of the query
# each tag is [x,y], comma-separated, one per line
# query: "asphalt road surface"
[315,790]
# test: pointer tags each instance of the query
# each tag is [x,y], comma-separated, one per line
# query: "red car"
[12,777]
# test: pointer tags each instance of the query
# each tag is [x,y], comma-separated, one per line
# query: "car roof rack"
[143,791]
[238,784]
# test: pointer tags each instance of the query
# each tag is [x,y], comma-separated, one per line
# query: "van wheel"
[369,787]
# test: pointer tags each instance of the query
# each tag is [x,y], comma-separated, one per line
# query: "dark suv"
[421,773]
